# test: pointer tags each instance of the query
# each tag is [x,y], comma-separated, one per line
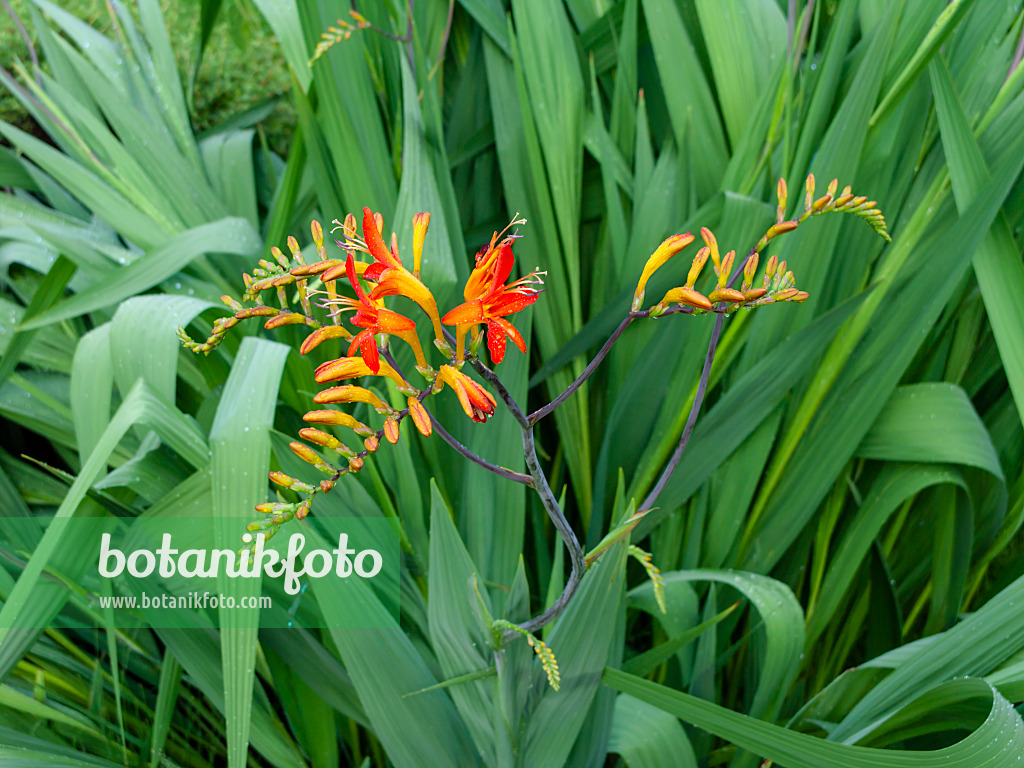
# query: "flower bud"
[256,312]
[725,269]
[279,257]
[305,453]
[697,266]
[687,296]
[316,268]
[391,430]
[782,195]
[420,417]
[420,222]
[754,294]
[712,243]
[280,478]
[285,318]
[321,438]
[749,270]
[338,419]
[727,295]
[669,248]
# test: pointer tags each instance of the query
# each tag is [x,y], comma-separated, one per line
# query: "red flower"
[493,302]
[373,318]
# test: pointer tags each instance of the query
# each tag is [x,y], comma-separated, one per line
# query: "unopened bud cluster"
[777,285]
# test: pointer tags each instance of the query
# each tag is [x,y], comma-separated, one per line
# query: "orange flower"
[382,257]
[489,300]
[476,401]
[391,276]
[374,318]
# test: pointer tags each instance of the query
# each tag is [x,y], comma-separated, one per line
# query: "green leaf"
[743,39]
[240,445]
[644,663]
[691,104]
[724,427]
[995,743]
[647,737]
[231,235]
[930,422]
[459,630]
[783,622]
[580,641]
[894,485]
[997,263]
[49,291]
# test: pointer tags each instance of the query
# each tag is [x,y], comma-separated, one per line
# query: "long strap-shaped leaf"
[995,743]
[240,445]
[140,406]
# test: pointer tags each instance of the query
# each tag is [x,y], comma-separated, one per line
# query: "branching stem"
[508,474]
[547,498]
[698,400]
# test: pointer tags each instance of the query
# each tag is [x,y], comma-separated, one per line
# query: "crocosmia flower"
[476,401]
[490,301]
[373,318]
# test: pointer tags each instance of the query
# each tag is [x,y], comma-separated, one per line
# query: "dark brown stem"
[678,309]
[492,378]
[510,402]
[690,420]
[540,413]
[539,483]
[698,400]
[805,28]
[508,474]
[28,40]
[547,498]
[1017,55]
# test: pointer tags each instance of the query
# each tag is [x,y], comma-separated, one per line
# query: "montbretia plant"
[311,294]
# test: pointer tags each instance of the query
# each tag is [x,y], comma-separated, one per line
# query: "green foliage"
[840,547]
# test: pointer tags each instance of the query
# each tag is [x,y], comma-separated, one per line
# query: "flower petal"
[510,302]
[470,312]
[350,270]
[420,417]
[502,269]
[393,322]
[371,356]
[512,332]
[495,341]
[357,340]
[374,242]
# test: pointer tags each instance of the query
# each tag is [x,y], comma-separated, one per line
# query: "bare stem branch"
[28,40]
[690,420]
[698,400]
[462,450]
[547,498]
[540,413]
